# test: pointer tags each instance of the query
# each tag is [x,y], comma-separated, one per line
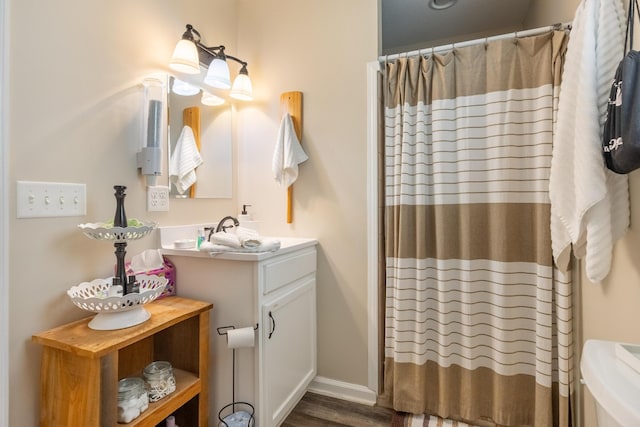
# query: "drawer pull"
[273,325]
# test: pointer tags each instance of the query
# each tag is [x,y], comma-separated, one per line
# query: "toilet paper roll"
[241,337]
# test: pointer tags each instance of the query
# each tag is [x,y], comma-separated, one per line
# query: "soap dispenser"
[246,219]
[244,215]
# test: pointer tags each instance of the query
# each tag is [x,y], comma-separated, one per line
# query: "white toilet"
[613,383]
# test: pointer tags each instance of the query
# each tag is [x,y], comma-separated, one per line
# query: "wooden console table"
[81,367]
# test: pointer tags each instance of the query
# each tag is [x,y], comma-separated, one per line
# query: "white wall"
[80,123]
[74,71]
[321,49]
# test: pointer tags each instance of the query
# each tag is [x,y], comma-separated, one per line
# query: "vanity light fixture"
[185,56]
[210,99]
[190,52]
[242,88]
[180,87]
[218,73]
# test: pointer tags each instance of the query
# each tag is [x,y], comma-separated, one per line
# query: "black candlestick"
[120,271]
[120,218]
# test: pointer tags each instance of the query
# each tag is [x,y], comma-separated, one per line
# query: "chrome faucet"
[222,227]
[209,230]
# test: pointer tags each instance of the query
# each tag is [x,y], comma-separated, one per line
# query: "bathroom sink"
[168,236]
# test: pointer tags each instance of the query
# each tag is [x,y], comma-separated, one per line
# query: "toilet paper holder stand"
[250,420]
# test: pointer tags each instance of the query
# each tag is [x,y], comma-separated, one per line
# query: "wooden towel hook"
[291,102]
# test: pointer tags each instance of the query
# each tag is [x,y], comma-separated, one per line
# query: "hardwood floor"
[315,410]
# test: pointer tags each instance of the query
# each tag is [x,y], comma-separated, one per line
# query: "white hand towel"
[184,161]
[288,153]
[207,246]
[268,245]
[248,238]
[589,203]
[226,239]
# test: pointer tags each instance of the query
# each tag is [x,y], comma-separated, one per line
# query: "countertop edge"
[289,245]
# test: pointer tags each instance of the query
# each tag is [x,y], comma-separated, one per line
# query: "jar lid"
[131,386]
[130,383]
[158,367]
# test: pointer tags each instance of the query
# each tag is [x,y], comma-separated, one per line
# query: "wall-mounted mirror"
[214,140]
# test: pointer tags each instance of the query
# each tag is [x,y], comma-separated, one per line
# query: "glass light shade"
[210,99]
[183,88]
[242,88]
[218,74]
[185,58]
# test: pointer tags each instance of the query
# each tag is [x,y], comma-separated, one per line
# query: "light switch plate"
[157,198]
[51,199]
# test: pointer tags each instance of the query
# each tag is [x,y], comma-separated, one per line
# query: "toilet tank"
[614,385]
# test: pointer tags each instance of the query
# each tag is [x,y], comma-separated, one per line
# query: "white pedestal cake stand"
[116,312]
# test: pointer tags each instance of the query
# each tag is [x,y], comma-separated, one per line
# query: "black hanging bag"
[621,133]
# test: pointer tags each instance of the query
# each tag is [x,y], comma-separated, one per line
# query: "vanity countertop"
[287,244]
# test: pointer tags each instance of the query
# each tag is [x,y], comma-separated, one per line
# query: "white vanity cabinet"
[276,290]
[287,351]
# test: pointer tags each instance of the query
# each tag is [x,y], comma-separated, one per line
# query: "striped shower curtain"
[478,322]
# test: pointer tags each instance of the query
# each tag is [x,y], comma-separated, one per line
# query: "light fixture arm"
[208,53]
[239,61]
[211,52]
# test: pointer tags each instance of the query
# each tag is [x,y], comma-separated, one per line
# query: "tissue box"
[168,270]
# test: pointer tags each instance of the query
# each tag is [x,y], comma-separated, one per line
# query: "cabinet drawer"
[281,272]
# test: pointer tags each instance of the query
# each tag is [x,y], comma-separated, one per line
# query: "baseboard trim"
[342,390]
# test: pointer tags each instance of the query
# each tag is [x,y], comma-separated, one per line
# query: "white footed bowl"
[116,312]
[102,231]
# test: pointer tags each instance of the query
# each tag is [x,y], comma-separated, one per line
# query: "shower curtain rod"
[446,47]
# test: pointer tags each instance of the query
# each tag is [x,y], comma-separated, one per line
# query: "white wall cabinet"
[277,291]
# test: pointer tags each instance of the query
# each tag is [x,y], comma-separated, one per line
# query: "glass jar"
[132,399]
[160,380]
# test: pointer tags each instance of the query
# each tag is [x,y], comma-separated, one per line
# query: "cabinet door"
[289,351]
